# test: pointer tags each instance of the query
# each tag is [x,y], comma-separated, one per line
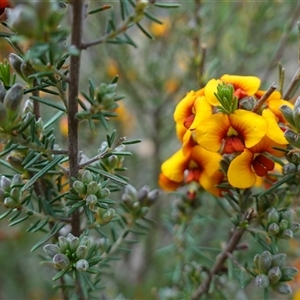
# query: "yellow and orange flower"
[231,133]
[253,162]
[199,165]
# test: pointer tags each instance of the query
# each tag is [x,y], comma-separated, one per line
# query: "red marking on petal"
[259,169]
[266,162]
[233,144]
[240,94]
[188,121]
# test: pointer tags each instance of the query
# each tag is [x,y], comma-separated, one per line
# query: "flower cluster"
[270,271]
[229,131]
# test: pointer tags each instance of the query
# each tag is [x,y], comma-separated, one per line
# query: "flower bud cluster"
[10,191]
[138,202]
[70,252]
[271,272]
[281,224]
[35,19]
[90,190]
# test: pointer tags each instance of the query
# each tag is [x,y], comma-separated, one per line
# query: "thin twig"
[264,97]
[230,247]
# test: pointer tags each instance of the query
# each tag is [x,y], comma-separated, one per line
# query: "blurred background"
[198,41]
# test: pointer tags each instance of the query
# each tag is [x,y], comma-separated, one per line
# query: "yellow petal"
[274,106]
[210,90]
[211,132]
[274,132]
[166,184]
[203,110]
[173,168]
[240,174]
[208,161]
[183,110]
[249,125]
[249,84]
[267,145]
[209,182]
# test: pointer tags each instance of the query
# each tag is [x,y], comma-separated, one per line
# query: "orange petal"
[210,90]
[240,174]
[211,132]
[209,182]
[274,132]
[166,184]
[249,84]
[249,125]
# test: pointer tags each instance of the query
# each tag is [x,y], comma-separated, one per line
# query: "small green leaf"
[48,102]
[166,5]
[145,31]
[60,274]
[108,175]
[18,221]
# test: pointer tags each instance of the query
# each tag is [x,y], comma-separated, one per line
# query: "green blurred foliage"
[239,37]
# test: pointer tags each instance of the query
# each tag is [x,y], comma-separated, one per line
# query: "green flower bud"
[79,187]
[287,113]
[91,201]
[265,262]
[287,234]
[284,224]
[15,159]
[28,106]
[104,216]
[143,211]
[44,8]
[2,91]
[82,265]
[127,200]
[129,189]
[288,215]
[142,193]
[23,19]
[103,147]
[282,288]
[12,100]
[92,188]
[152,197]
[5,183]
[82,251]
[73,243]
[120,148]
[255,260]
[103,193]
[16,62]
[9,202]
[39,128]
[61,261]
[278,260]
[295,227]
[289,168]
[295,158]
[273,216]
[87,177]
[292,137]
[85,241]
[15,193]
[273,229]
[63,243]
[17,180]
[288,273]
[113,161]
[296,117]
[274,274]
[51,250]
[262,281]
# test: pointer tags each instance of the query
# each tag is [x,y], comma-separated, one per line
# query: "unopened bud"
[61,261]
[296,117]
[287,113]
[284,224]
[81,251]
[295,227]
[255,260]
[16,62]
[142,193]
[274,274]
[16,180]
[82,265]
[103,193]
[2,91]
[15,193]
[5,183]
[3,115]
[262,281]
[113,161]
[85,241]
[2,194]
[273,216]
[92,188]
[292,137]
[129,189]
[247,103]
[91,201]
[9,202]
[79,187]
[288,273]
[51,250]
[273,229]
[289,168]
[265,262]
[278,259]
[73,243]
[87,177]
[288,215]
[63,243]
[282,288]
[13,99]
